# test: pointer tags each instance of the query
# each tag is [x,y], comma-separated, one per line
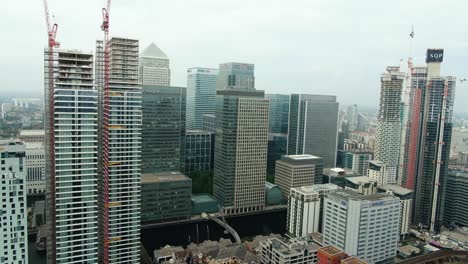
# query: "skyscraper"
[431,111]
[72,169]
[313,126]
[199,148]
[154,67]
[387,147]
[279,113]
[406,203]
[234,75]
[352,117]
[121,162]
[201,95]
[240,150]
[357,160]
[163,133]
[13,223]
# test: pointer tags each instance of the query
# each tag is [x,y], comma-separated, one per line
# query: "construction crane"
[52,43]
[105,133]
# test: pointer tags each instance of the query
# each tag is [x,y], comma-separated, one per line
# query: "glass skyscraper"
[154,66]
[279,113]
[234,75]
[201,95]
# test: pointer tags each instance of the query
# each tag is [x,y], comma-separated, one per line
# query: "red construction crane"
[105,133]
[52,43]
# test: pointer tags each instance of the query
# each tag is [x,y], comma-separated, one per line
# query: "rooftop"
[164,177]
[200,198]
[395,189]
[353,195]
[37,132]
[153,51]
[377,162]
[34,145]
[352,260]
[293,246]
[198,132]
[331,250]
[301,157]
[360,180]
[304,159]
[342,172]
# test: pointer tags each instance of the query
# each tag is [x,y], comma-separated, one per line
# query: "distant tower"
[154,67]
[201,95]
[352,117]
[235,75]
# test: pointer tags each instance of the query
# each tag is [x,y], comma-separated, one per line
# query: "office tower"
[201,95]
[121,162]
[165,196]
[387,147]
[358,161]
[377,216]
[29,136]
[379,172]
[430,137]
[199,148]
[305,208]
[279,113]
[235,75]
[362,184]
[296,171]
[352,117]
[454,197]
[163,132]
[72,168]
[277,144]
[154,67]
[35,165]
[406,202]
[313,126]
[13,223]
[209,123]
[299,250]
[240,150]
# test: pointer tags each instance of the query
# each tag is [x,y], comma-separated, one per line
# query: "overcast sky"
[297,46]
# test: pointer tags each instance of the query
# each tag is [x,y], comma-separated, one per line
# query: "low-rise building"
[338,176]
[300,250]
[363,185]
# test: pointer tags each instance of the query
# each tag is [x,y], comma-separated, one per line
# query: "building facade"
[362,184]
[35,164]
[13,223]
[199,151]
[296,171]
[456,204]
[241,150]
[72,168]
[366,226]
[163,132]
[358,161]
[30,136]
[406,202]
[377,171]
[236,75]
[209,123]
[279,113]
[300,250]
[201,95]
[154,67]
[387,148]
[313,126]
[303,211]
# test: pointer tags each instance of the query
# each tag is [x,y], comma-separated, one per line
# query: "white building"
[35,165]
[366,226]
[406,201]
[154,67]
[13,211]
[297,170]
[300,250]
[380,172]
[33,135]
[201,95]
[305,209]
[362,184]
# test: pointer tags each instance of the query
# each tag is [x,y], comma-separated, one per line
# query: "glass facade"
[201,95]
[279,113]
[199,150]
[235,75]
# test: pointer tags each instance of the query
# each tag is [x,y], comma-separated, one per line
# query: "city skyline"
[303,59]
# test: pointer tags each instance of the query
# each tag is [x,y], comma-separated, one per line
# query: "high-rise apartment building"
[387,147]
[163,132]
[236,75]
[13,211]
[366,226]
[279,113]
[241,150]
[377,171]
[303,211]
[120,206]
[201,95]
[406,202]
[297,170]
[72,169]
[199,148]
[35,165]
[430,133]
[313,126]
[154,67]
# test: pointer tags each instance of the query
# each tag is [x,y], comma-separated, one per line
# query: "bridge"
[437,257]
[226,226]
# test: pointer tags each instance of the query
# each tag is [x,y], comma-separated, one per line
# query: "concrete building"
[279,113]
[241,150]
[406,202]
[154,67]
[300,250]
[358,161]
[378,171]
[296,171]
[199,151]
[363,185]
[235,75]
[72,185]
[338,176]
[35,165]
[455,198]
[163,132]
[13,223]
[387,147]
[313,126]
[121,216]
[201,95]
[366,226]
[209,123]
[30,136]
[305,208]
[165,196]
